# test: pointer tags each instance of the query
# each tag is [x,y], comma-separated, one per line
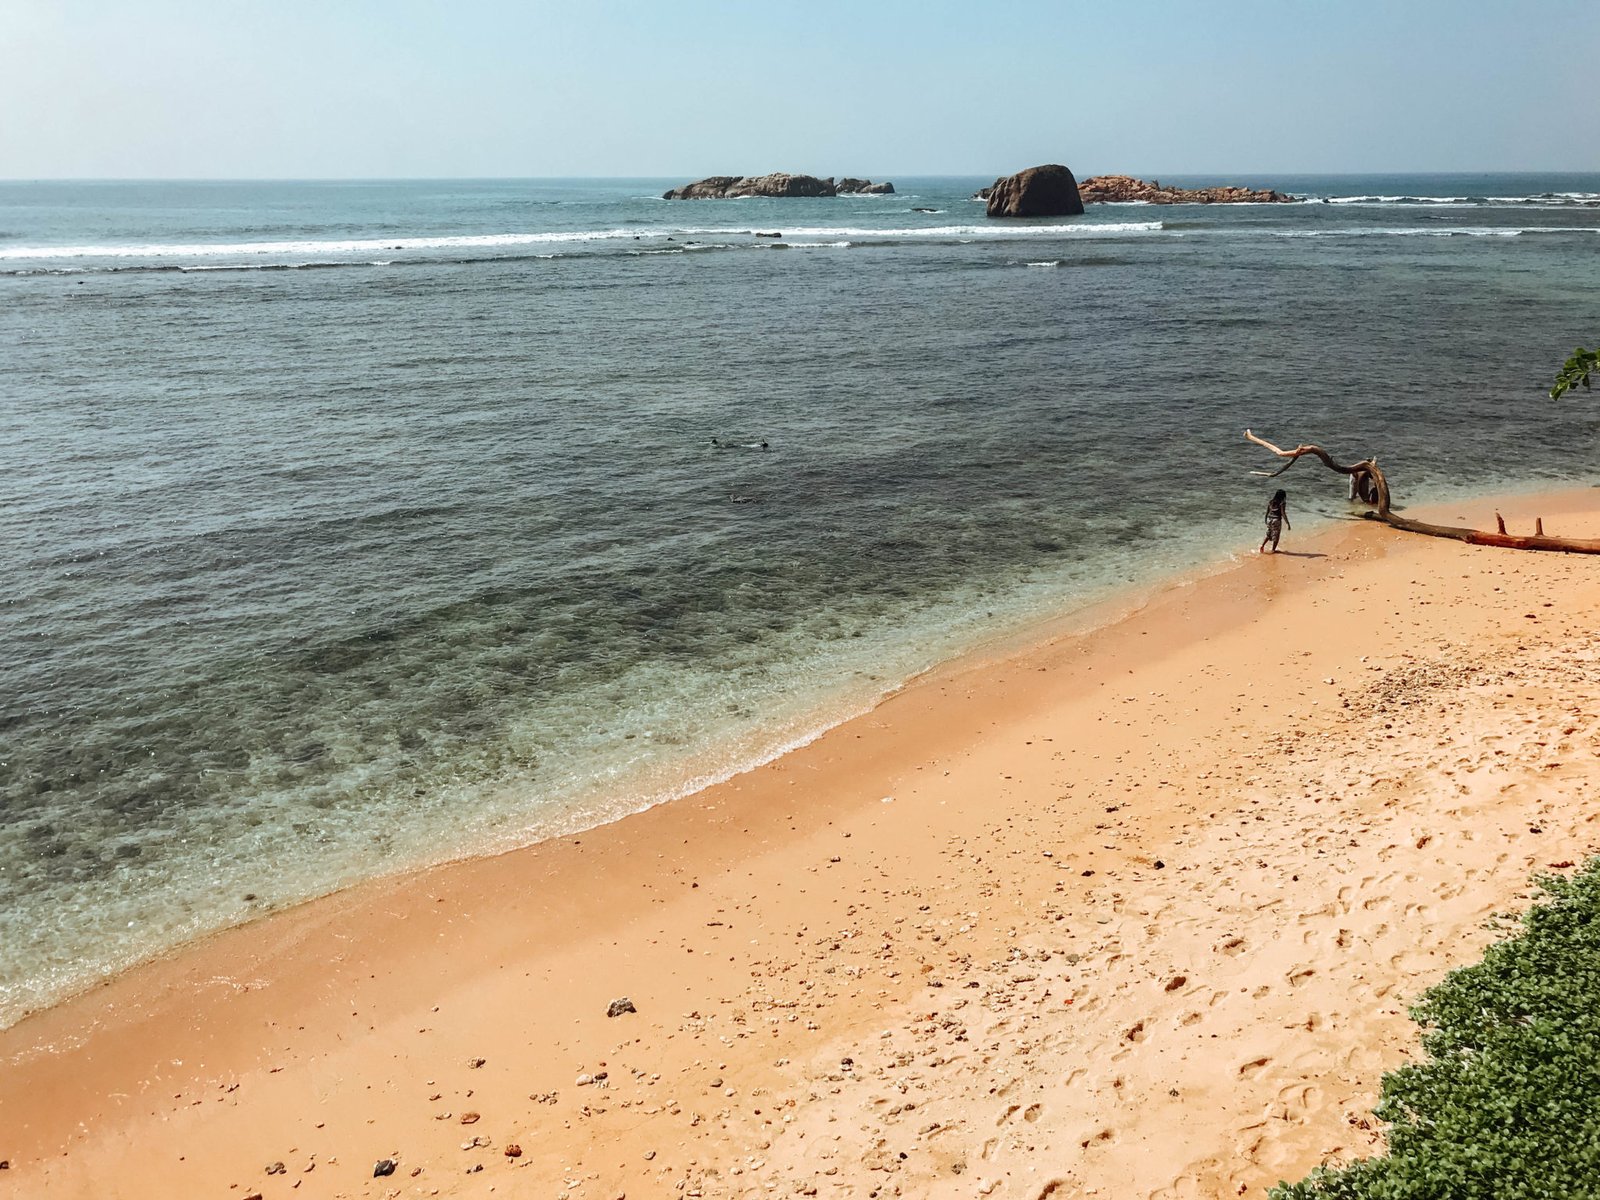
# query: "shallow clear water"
[351,526]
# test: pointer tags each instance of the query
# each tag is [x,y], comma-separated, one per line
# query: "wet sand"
[1132,914]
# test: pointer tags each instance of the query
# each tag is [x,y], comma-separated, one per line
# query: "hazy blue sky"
[333,88]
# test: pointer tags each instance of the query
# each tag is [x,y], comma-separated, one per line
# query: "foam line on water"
[310,246]
[1542,199]
[366,246]
[1431,231]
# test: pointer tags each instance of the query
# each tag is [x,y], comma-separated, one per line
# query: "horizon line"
[8,179]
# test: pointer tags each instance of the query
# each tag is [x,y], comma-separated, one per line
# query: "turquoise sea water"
[348,526]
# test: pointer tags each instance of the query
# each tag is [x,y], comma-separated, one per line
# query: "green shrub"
[1506,1103]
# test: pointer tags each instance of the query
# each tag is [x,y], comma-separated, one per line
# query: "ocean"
[351,526]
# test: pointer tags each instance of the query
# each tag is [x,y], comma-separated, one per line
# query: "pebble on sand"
[384,1166]
[620,1006]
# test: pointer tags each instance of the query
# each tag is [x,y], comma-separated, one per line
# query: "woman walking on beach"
[1277,520]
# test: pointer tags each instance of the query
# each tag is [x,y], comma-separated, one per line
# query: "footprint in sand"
[1231,946]
[1032,1113]
[1253,1068]
[1300,1095]
[1182,1188]
[1296,978]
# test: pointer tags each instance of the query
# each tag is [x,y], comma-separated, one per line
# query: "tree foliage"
[1576,370]
[1506,1103]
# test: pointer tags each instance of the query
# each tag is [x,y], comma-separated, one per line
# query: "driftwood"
[1369,486]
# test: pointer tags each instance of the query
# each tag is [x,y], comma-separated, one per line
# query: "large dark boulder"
[1047,191]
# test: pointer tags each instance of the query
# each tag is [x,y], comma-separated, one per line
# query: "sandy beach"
[1135,913]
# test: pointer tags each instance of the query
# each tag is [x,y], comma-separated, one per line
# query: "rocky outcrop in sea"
[781,184]
[1123,189]
[865,187]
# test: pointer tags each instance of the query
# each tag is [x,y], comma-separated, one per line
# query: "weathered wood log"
[1368,484]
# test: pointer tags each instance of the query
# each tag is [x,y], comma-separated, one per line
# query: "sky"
[221,89]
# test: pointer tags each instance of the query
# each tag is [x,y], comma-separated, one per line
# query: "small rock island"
[1051,191]
[1125,188]
[780,184]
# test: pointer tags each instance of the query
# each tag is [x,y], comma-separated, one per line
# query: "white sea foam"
[1399,199]
[313,247]
[1536,200]
[1098,229]
[1438,231]
[323,250]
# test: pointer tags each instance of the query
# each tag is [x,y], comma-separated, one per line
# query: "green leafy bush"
[1506,1104]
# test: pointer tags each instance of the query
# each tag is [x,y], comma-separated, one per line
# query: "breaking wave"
[322,250]
[1535,200]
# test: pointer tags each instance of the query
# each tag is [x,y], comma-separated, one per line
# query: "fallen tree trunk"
[1368,484]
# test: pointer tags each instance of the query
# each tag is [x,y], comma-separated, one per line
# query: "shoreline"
[675,780]
[348,976]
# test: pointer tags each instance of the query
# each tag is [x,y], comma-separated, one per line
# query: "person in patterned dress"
[1277,520]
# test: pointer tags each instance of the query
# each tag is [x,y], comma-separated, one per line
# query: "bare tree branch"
[1368,484]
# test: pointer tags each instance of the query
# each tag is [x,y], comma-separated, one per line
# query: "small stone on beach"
[618,1007]
[384,1166]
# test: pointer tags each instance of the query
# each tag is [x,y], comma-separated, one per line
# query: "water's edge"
[1082,618]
